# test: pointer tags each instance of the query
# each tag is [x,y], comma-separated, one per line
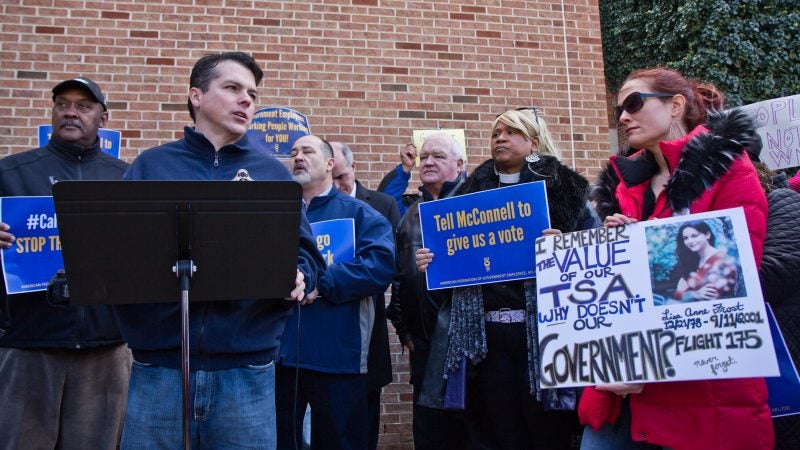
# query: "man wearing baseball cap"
[64,370]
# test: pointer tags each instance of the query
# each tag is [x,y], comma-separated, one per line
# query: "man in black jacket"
[379,364]
[63,369]
[413,310]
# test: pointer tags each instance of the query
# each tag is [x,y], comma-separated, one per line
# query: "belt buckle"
[505,315]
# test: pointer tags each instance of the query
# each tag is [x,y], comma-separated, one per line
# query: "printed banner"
[662,300]
[109,139]
[484,237]
[336,240]
[784,391]
[36,254]
[276,128]
[778,122]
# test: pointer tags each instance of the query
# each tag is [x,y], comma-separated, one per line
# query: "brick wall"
[367,72]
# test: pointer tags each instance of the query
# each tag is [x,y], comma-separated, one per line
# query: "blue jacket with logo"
[28,319]
[335,330]
[223,334]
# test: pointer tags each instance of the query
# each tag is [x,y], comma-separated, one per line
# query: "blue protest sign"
[36,255]
[784,391]
[109,139]
[336,240]
[486,237]
[275,129]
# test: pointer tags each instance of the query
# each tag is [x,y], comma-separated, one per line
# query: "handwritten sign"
[336,240]
[36,254]
[663,300]
[778,123]
[109,139]
[484,237]
[276,128]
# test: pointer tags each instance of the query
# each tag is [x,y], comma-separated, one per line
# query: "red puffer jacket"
[709,172]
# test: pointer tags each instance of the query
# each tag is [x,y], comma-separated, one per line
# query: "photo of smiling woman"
[706,272]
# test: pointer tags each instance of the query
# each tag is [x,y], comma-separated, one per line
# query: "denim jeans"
[229,409]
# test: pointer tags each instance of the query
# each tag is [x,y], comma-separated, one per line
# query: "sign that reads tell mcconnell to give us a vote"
[662,300]
[485,237]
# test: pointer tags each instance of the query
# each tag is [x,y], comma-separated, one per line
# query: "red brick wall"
[367,72]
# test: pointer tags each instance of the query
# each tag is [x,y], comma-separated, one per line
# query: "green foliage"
[750,49]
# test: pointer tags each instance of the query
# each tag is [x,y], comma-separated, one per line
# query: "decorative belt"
[505,315]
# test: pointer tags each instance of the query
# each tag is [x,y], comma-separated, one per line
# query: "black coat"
[379,363]
[780,283]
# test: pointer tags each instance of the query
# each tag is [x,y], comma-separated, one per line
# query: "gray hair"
[346,152]
[455,147]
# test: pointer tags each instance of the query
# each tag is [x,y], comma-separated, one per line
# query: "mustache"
[70,123]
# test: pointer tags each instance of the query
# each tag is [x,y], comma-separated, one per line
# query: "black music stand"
[129,242]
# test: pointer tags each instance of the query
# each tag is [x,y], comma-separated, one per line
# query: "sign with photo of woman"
[663,300]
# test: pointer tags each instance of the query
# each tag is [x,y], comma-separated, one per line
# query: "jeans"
[229,409]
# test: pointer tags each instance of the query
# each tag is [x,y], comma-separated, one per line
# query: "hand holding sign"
[6,238]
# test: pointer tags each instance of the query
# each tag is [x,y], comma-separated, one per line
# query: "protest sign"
[784,391]
[276,128]
[485,237]
[662,300]
[778,124]
[336,240]
[35,256]
[109,139]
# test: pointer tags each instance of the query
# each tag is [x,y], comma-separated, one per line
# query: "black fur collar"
[703,161]
[566,189]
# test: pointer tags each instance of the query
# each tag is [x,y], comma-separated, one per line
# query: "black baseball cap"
[82,83]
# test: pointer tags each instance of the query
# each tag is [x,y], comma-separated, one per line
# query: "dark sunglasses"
[525,108]
[634,102]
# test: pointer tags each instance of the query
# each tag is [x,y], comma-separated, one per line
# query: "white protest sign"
[778,124]
[662,300]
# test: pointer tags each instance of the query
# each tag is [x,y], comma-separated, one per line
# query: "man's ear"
[194,96]
[103,119]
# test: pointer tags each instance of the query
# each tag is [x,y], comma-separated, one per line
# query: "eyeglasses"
[635,102]
[525,108]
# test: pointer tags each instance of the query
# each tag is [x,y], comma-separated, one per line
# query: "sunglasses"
[525,108]
[634,102]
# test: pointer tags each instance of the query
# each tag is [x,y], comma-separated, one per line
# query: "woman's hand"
[424,258]
[550,232]
[621,389]
[707,292]
[618,220]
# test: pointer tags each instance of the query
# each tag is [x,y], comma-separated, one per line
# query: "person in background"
[379,363]
[233,342]
[689,161]
[324,351]
[395,182]
[413,309]
[63,369]
[493,324]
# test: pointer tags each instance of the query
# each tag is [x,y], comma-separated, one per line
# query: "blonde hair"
[529,122]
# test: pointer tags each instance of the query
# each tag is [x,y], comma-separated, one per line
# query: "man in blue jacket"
[63,369]
[234,342]
[325,346]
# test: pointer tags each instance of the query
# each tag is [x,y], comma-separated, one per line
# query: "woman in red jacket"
[690,161]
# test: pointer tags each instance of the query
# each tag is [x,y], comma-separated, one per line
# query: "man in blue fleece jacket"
[325,346]
[233,343]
